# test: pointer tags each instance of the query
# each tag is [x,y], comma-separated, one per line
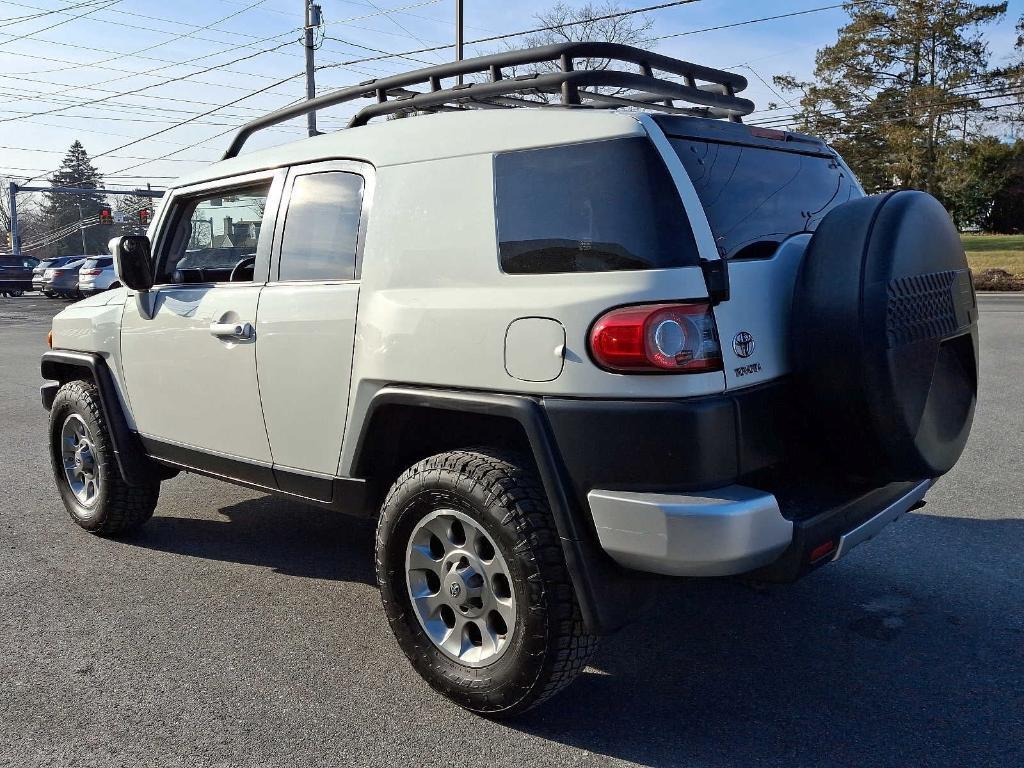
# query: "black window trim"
[356,167]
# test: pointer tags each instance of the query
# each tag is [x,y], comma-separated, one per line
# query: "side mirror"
[133,261]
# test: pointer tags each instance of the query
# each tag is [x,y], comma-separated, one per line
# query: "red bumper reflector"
[822,550]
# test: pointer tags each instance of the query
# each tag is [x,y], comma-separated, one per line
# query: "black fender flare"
[609,596]
[62,365]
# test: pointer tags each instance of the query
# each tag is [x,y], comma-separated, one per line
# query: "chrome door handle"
[232,330]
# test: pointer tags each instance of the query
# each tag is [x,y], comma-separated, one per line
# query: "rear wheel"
[474,582]
[85,470]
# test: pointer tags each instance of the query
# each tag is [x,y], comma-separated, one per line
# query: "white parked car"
[97,275]
[552,349]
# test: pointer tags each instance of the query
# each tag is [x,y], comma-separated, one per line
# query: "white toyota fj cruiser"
[552,349]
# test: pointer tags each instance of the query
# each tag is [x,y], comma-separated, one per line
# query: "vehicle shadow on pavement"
[292,538]
[910,652]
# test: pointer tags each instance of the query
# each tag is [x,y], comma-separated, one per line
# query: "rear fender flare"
[607,595]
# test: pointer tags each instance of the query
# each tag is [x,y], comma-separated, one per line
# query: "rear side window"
[595,207]
[322,227]
[755,198]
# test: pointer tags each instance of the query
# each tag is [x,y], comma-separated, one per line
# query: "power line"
[521,33]
[760,20]
[119,157]
[10,21]
[94,7]
[407,54]
[112,105]
[904,111]
[149,28]
[123,24]
[157,85]
[171,40]
[397,23]
[186,122]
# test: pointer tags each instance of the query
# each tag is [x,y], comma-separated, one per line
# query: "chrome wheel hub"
[460,587]
[78,455]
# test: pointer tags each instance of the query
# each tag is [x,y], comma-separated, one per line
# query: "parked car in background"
[16,274]
[97,275]
[63,281]
[45,264]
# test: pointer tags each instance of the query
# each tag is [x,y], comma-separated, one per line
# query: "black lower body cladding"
[885,338]
[673,445]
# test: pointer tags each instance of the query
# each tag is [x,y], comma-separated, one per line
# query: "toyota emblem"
[743,344]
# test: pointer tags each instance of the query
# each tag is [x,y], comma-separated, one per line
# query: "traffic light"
[106,217]
[144,216]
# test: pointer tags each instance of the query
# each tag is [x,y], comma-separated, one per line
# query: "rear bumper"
[716,533]
[738,530]
[717,486]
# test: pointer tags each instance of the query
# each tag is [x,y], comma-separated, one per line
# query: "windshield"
[755,197]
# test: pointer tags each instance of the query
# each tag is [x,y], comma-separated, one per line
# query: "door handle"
[231,330]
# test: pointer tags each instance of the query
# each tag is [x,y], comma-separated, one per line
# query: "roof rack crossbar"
[713,91]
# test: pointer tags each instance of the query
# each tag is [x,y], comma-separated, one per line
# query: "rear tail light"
[90,271]
[665,338]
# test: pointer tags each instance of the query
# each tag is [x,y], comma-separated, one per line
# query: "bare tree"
[591,22]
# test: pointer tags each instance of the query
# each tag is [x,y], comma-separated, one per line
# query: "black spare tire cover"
[885,332]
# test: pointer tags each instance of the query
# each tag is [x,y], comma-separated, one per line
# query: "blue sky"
[55,61]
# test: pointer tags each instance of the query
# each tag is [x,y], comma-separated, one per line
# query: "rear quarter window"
[595,207]
[755,198]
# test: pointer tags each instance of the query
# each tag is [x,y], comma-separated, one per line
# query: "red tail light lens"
[666,338]
[90,271]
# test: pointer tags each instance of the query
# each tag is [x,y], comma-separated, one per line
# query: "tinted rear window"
[755,198]
[595,207]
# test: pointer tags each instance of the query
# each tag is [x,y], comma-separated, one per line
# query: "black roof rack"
[710,92]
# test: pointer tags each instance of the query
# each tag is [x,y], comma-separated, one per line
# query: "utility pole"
[312,21]
[13,210]
[81,230]
[458,33]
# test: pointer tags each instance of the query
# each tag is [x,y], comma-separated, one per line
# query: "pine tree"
[900,83]
[66,209]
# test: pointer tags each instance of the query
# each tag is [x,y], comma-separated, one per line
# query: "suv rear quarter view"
[552,350]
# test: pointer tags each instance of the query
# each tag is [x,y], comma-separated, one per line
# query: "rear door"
[188,346]
[764,193]
[307,318]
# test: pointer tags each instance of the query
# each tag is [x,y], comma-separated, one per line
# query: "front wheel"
[474,582]
[85,469]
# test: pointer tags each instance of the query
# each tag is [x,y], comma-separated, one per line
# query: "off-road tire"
[119,508]
[549,644]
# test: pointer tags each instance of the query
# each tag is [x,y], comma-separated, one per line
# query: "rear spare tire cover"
[886,337]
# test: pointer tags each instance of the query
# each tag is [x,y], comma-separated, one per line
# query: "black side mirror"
[133,261]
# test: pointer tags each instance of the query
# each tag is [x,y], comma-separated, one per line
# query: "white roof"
[431,137]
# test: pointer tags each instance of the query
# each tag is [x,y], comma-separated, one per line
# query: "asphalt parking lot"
[238,629]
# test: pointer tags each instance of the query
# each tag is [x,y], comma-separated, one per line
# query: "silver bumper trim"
[870,527]
[722,532]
